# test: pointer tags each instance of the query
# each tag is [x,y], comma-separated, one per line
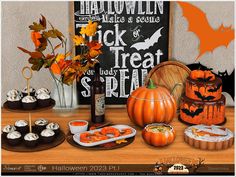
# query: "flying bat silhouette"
[148,42]
[192,113]
[227,80]
[209,38]
[203,98]
[215,89]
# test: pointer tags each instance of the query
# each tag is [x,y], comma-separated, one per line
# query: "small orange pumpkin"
[158,134]
[150,105]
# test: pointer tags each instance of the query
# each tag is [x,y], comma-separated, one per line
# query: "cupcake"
[55,127]
[22,126]
[14,101]
[31,90]
[7,129]
[47,135]
[40,124]
[43,99]
[42,90]
[14,138]
[31,139]
[29,102]
[14,92]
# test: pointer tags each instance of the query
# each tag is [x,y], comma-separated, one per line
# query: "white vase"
[65,96]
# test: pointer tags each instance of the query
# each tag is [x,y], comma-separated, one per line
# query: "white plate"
[76,137]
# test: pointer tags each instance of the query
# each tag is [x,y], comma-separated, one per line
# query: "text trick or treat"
[60,61]
[135,37]
[203,102]
[151,104]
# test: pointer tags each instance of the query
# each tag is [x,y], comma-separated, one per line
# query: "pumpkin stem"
[151,85]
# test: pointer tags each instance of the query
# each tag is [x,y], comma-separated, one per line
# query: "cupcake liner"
[31,143]
[47,139]
[57,131]
[29,106]
[44,103]
[39,128]
[4,135]
[14,142]
[23,130]
[14,104]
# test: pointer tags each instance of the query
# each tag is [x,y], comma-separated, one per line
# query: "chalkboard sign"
[135,37]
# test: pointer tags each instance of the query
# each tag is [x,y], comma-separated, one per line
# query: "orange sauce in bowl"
[77,123]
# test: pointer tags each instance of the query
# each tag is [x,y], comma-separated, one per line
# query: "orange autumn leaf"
[94,53]
[90,29]
[60,57]
[55,68]
[35,36]
[77,57]
[94,45]
[78,40]
[35,54]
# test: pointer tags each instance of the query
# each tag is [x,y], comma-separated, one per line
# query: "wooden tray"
[40,147]
[38,108]
[69,139]
[168,74]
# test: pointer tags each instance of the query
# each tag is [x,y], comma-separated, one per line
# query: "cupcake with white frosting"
[29,102]
[14,138]
[25,91]
[14,92]
[42,90]
[43,99]
[47,135]
[14,101]
[40,124]
[31,139]
[7,129]
[54,126]
[22,126]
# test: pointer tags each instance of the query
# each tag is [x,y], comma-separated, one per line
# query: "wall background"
[16,16]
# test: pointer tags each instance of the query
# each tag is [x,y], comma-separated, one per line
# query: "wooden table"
[136,153]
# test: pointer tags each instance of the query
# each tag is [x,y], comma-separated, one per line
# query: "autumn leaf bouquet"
[64,67]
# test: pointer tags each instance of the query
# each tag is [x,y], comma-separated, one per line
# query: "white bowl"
[78,129]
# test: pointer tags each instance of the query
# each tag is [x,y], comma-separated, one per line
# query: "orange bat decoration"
[209,38]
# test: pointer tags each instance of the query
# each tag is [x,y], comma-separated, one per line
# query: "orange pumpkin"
[151,104]
[158,134]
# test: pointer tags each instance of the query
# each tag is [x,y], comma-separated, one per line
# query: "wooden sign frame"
[170,43]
